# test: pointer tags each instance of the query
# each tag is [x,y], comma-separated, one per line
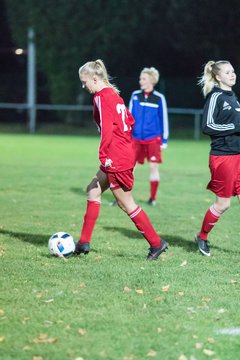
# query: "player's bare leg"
[124,200]
[97,186]
[222,204]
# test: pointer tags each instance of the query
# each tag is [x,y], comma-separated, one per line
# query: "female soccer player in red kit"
[221,121]
[115,124]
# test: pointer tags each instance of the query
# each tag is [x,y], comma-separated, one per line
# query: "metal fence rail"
[196,113]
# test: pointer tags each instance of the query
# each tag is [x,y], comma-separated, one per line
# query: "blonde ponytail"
[208,80]
[99,69]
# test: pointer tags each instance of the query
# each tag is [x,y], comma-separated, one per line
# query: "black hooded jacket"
[221,121]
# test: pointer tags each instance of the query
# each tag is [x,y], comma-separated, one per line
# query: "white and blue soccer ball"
[61,244]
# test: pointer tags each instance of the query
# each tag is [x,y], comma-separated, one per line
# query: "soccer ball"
[61,244]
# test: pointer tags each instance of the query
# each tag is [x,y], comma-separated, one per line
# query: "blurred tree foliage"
[178,36]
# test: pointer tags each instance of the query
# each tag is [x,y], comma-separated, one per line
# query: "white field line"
[231,331]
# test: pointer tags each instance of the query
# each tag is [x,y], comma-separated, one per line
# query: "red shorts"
[148,150]
[225,175]
[122,179]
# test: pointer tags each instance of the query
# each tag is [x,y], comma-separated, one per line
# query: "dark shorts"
[123,180]
[225,175]
[148,150]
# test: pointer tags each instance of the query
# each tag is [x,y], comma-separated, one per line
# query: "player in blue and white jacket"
[151,130]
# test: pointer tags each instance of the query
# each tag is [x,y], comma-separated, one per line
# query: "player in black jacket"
[221,121]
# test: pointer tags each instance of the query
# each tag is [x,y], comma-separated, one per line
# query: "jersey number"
[121,109]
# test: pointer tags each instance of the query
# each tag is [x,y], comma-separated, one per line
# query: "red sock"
[210,219]
[143,224]
[90,218]
[153,189]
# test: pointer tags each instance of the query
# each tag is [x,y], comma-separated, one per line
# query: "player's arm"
[106,119]
[216,122]
[163,116]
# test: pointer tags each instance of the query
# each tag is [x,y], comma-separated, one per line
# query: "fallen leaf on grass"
[25,319]
[158,298]
[210,340]
[81,331]
[2,338]
[126,289]
[82,285]
[37,358]
[130,357]
[182,357]
[98,257]
[181,293]
[26,348]
[79,358]
[151,353]
[1,312]
[184,263]
[208,352]
[198,345]
[233,282]
[221,311]
[49,300]
[39,296]
[165,288]
[43,339]
[139,291]
[159,330]
[191,310]
[206,299]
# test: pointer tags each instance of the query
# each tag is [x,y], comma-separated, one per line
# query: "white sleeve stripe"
[98,103]
[148,104]
[165,118]
[211,108]
[210,120]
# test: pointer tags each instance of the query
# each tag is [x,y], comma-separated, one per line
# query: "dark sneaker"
[151,202]
[155,252]
[83,248]
[202,245]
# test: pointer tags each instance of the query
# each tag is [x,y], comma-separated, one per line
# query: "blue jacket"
[150,114]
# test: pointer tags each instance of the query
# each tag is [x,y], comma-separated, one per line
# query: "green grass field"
[112,304]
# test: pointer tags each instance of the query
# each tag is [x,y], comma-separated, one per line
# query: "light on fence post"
[31,81]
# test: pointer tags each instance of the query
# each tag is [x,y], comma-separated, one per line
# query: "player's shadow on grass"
[35,239]
[187,244]
[78,191]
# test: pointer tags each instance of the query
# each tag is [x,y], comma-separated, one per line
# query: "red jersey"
[115,124]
